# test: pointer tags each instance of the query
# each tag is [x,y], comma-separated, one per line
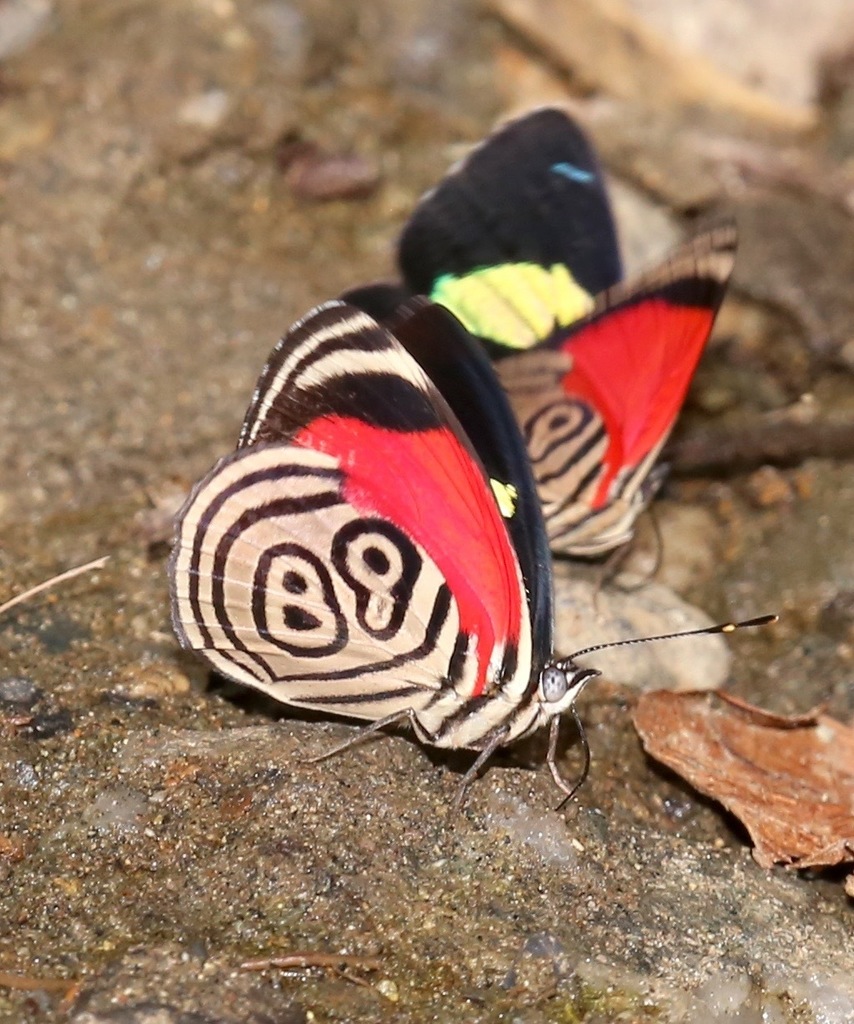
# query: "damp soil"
[157,830]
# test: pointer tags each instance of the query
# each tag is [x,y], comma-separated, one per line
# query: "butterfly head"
[560,684]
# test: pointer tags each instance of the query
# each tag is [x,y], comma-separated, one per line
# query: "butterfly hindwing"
[596,402]
[329,560]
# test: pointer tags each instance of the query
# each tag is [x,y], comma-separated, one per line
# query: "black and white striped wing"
[351,554]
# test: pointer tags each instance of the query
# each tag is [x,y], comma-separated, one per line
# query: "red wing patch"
[428,484]
[634,366]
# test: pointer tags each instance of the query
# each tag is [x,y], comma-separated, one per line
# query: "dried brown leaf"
[790,781]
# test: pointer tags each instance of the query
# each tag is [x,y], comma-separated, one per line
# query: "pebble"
[683,554]
[48,725]
[389,989]
[727,997]
[118,810]
[156,525]
[846,355]
[536,827]
[836,618]
[23,127]
[316,176]
[586,615]
[288,35]
[768,487]
[715,398]
[157,679]
[22,22]
[12,848]
[19,690]
[207,110]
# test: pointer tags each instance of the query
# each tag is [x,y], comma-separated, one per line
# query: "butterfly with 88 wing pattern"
[354,555]
[518,241]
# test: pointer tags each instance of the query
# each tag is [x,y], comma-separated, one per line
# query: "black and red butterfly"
[519,243]
[356,555]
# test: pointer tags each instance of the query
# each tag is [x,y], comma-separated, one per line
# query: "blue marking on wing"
[574,173]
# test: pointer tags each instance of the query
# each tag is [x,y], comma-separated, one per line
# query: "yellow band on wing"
[514,304]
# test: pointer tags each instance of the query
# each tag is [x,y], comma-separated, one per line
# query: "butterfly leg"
[494,743]
[610,569]
[613,564]
[551,759]
[364,734]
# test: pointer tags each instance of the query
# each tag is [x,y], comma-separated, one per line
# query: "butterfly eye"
[380,564]
[553,684]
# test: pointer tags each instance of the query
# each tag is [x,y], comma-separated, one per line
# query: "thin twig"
[24,984]
[311,959]
[778,443]
[354,979]
[96,563]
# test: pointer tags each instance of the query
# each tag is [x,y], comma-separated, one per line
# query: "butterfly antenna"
[568,663]
[721,627]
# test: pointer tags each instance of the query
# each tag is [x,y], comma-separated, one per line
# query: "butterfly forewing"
[338,362]
[459,368]
[351,554]
[520,236]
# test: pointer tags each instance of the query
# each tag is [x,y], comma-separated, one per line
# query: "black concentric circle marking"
[380,564]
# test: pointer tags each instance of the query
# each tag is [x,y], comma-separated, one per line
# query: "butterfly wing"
[597,402]
[351,555]
[519,238]
[382,300]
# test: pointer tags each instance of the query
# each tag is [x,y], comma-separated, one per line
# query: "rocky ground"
[180,180]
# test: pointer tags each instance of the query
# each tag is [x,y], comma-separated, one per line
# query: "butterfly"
[376,548]
[519,243]
[366,553]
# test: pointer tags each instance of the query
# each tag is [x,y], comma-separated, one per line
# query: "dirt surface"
[156,832]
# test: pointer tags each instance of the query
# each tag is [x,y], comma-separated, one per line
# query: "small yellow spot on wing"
[505,497]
